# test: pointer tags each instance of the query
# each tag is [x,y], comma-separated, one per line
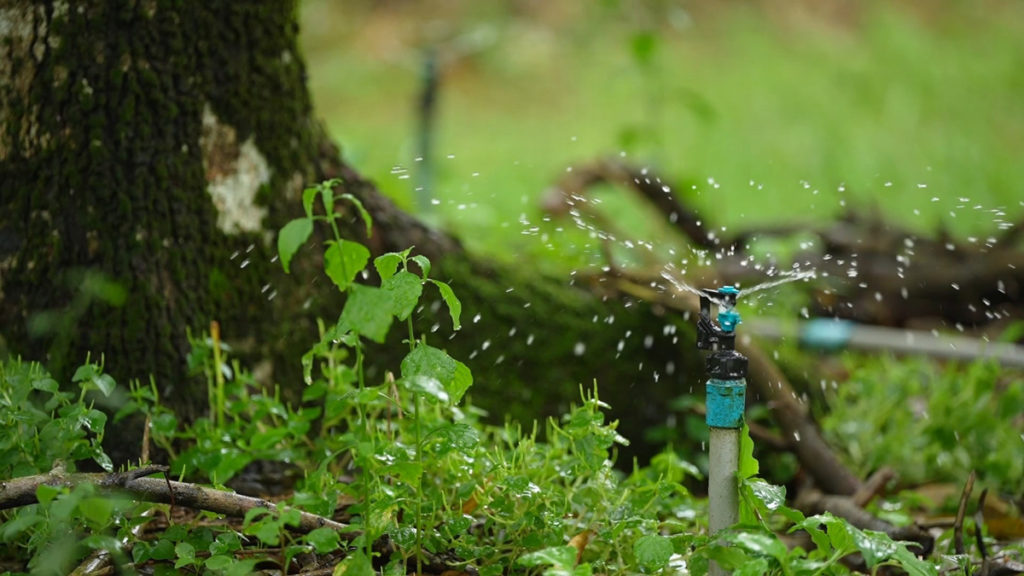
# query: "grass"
[917,112]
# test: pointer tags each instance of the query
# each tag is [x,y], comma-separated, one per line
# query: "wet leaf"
[355,564]
[367,312]
[96,510]
[749,466]
[323,540]
[308,196]
[362,212]
[773,497]
[434,363]
[408,472]
[327,196]
[458,436]
[404,289]
[763,544]
[428,385]
[874,546]
[653,551]
[387,264]
[454,305]
[219,562]
[558,556]
[424,264]
[343,261]
[292,236]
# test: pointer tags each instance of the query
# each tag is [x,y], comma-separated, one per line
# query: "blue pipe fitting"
[726,400]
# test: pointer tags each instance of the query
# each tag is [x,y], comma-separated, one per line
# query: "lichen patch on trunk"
[234,174]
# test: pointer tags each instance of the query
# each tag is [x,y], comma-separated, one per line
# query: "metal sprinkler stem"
[726,395]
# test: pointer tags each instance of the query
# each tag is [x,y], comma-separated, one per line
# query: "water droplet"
[579,349]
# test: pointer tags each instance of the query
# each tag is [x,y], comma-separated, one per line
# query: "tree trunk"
[150,151]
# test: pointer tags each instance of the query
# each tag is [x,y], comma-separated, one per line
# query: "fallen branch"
[902,278]
[22,492]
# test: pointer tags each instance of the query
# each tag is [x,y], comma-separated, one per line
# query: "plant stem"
[218,375]
[412,335]
[419,485]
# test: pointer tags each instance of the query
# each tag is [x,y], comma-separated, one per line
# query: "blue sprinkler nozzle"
[728,317]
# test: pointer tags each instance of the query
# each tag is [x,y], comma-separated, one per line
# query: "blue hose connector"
[726,400]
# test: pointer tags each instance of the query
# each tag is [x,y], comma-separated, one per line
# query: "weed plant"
[419,480]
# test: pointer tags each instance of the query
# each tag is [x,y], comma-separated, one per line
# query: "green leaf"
[327,196]
[838,531]
[45,494]
[749,466]
[105,384]
[812,526]
[242,567]
[387,264]
[434,363]
[219,562]
[408,472]
[875,546]
[84,372]
[427,385]
[186,554]
[46,385]
[269,532]
[454,306]
[292,236]
[773,497]
[762,544]
[459,436]
[405,290]
[308,196]
[344,260]
[753,567]
[362,213]
[729,557]
[96,510]
[367,312]
[559,556]
[253,513]
[323,540]
[94,420]
[355,564]
[424,264]
[162,550]
[653,551]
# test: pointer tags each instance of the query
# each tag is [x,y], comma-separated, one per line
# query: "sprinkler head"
[722,336]
[724,363]
[728,317]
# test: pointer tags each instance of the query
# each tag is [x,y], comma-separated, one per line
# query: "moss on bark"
[103,169]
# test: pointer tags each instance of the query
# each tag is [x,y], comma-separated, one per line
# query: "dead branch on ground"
[22,492]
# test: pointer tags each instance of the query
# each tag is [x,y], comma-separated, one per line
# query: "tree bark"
[149,153]
[150,144]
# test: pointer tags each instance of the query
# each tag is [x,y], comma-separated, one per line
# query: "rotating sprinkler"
[726,395]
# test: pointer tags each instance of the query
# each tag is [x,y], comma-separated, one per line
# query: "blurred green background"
[767,111]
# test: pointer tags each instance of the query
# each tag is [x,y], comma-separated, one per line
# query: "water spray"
[726,396]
